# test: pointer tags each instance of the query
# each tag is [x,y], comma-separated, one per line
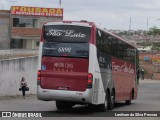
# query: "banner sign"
[36,11]
[39,114]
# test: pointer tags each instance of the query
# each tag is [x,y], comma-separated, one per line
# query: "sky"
[110,14]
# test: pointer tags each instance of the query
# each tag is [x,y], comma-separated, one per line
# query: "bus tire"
[128,102]
[103,107]
[59,105]
[111,100]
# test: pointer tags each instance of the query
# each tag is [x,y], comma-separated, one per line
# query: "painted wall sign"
[37,11]
[123,68]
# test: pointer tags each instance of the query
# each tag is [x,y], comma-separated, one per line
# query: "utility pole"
[147,24]
[60,2]
[146,33]
[130,21]
[129,31]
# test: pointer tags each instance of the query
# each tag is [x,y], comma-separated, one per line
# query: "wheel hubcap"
[112,99]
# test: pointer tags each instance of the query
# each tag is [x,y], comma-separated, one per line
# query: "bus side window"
[129,54]
[121,50]
[107,44]
[114,47]
[100,41]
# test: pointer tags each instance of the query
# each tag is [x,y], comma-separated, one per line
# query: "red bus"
[81,63]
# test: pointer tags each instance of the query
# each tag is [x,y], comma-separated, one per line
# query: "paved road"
[148,100]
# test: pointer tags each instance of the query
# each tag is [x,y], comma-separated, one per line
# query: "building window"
[25,22]
[37,44]
[16,43]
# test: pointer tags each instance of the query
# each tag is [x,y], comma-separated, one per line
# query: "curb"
[149,81]
[16,96]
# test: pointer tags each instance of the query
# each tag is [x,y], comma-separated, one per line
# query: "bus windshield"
[67,33]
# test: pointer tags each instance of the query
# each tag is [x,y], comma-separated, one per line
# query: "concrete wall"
[11,72]
[15,53]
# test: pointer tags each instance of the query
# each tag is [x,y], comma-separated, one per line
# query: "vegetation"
[156,46]
[154,31]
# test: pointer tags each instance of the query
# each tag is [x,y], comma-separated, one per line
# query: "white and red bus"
[81,63]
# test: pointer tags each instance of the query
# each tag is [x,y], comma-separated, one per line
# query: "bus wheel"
[111,100]
[128,102]
[59,105]
[103,107]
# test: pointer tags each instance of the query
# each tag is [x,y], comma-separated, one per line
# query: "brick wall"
[26,31]
[152,69]
[157,76]
[148,68]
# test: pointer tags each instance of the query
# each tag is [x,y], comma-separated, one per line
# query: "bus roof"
[79,23]
[116,36]
[86,24]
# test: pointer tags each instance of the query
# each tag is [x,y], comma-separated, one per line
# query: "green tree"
[154,31]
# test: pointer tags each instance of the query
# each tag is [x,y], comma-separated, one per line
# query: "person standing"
[142,74]
[23,86]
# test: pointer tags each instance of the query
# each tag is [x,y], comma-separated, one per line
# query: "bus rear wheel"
[103,107]
[111,100]
[128,102]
